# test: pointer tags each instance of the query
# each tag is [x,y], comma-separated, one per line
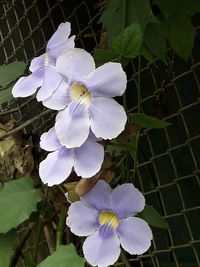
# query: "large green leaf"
[181,35]
[6,245]
[154,39]
[121,13]
[6,95]
[18,199]
[152,217]
[65,256]
[102,56]
[146,121]
[10,72]
[186,7]
[128,42]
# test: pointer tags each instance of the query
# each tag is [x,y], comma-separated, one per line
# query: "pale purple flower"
[86,159]
[85,97]
[105,216]
[43,69]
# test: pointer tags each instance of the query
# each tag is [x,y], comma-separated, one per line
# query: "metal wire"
[169,159]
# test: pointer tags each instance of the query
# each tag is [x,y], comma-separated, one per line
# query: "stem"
[139,110]
[61,225]
[125,259]
[39,228]
[38,234]
[19,248]
[139,84]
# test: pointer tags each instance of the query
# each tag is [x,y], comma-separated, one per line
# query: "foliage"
[65,256]
[146,121]
[18,199]
[172,23]
[8,74]
[152,217]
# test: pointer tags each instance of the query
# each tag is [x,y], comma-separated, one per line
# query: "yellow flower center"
[46,59]
[79,92]
[109,217]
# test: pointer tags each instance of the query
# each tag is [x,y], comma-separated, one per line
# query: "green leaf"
[6,95]
[179,7]
[10,72]
[146,121]
[146,53]
[152,217]
[181,35]
[154,39]
[102,56]
[6,245]
[121,13]
[18,199]
[64,256]
[128,43]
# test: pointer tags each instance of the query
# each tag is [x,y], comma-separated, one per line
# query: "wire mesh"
[168,160]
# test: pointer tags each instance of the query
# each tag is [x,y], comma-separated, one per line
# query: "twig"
[24,124]
[61,225]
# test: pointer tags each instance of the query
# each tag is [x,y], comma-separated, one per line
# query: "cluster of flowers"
[69,83]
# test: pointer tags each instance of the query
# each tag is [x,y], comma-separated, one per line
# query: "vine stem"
[39,227]
[61,225]
[139,110]
[125,259]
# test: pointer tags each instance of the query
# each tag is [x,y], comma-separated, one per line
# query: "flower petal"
[88,159]
[108,80]
[63,47]
[102,114]
[60,35]
[99,196]
[72,131]
[135,235]
[75,64]
[56,167]
[36,63]
[60,97]
[81,219]
[127,200]
[49,140]
[50,83]
[26,86]
[101,252]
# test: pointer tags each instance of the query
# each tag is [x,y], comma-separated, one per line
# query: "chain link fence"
[168,159]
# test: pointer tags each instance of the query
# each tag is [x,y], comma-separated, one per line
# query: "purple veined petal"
[108,80]
[82,220]
[49,140]
[135,235]
[101,252]
[36,63]
[75,64]
[60,97]
[99,196]
[127,200]
[56,167]
[108,118]
[62,48]
[27,86]
[72,131]
[60,35]
[50,83]
[88,159]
